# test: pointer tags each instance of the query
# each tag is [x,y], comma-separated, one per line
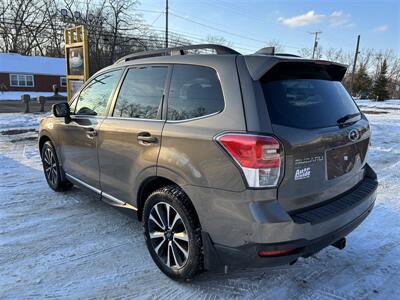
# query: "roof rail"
[219,49]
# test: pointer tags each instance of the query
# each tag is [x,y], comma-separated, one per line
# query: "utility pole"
[354,65]
[315,42]
[166,23]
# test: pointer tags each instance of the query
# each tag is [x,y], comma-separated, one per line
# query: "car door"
[78,138]
[129,139]
[196,113]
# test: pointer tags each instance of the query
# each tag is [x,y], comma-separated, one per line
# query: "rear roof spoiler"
[259,65]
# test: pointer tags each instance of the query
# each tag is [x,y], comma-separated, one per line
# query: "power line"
[35,24]
[104,35]
[97,30]
[217,29]
[190,38]
[227,32]
[202,38]
[207,26]
[128,38]
[156,19]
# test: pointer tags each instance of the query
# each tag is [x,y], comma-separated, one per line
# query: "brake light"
[258,156]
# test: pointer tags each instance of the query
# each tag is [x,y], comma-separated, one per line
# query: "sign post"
[77,58]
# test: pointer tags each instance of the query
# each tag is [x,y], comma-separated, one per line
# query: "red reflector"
[252,151]
[276,252]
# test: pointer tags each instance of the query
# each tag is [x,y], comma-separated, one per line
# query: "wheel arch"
[42,140]
[151,184]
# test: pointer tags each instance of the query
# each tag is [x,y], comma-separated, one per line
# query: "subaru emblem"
[354,135]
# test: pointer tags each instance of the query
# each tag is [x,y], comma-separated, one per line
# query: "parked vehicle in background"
[228,159]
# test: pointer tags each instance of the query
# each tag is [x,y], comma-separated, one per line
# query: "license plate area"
[344,159]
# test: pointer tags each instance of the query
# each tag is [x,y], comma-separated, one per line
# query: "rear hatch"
[324,135]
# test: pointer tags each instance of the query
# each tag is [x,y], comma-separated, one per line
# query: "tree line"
[377,72]
[116,28]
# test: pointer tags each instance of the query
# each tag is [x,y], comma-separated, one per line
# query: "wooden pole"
[354,65]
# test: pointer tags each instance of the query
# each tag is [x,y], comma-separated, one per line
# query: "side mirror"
[61,110]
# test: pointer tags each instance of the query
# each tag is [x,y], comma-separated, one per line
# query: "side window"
[141,93]
[195,91]
[94,97]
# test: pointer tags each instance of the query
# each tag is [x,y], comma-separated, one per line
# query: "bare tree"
[307,52]
[20,30]
[279,48]
[219,40]
[118,19]
[116,28]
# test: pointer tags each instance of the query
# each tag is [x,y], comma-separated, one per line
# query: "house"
[34,75]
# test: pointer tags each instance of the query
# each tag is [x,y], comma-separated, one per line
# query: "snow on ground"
[17,95]
[70,245]
[379,106]
[20,120]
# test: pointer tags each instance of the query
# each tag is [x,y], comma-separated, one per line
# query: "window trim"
[112,95]
[166,100]
[61,85]
[25,77]
[195,118]
[160,113]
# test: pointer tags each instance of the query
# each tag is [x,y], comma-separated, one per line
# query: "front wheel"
[173,233]
[52,169]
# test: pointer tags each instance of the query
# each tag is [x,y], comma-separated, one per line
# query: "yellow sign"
[77,58]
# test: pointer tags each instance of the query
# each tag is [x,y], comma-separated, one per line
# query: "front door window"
[94,98]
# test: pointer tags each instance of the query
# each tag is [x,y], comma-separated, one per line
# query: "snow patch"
[20,120]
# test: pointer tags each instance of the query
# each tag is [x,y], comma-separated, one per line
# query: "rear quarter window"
[195,91]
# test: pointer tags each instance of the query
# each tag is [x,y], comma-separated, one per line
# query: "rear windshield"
[307,103]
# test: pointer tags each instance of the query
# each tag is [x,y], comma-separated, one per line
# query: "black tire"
[181,267]
[52,170]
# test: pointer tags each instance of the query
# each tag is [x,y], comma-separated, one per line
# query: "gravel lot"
[71,245]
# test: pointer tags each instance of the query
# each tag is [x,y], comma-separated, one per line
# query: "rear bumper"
[247,256]
[305,233]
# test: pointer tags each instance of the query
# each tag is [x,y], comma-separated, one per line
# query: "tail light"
[258,156]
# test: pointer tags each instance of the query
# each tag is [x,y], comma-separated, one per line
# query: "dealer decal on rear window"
[302,173]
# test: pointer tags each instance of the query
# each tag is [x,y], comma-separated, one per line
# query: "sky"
[251,24]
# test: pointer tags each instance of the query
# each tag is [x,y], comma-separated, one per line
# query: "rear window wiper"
[346,118]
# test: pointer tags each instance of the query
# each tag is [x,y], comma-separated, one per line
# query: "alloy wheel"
[50,166]
[168,235]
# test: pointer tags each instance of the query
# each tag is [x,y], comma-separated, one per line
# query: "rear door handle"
[146,138]
[91,133]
